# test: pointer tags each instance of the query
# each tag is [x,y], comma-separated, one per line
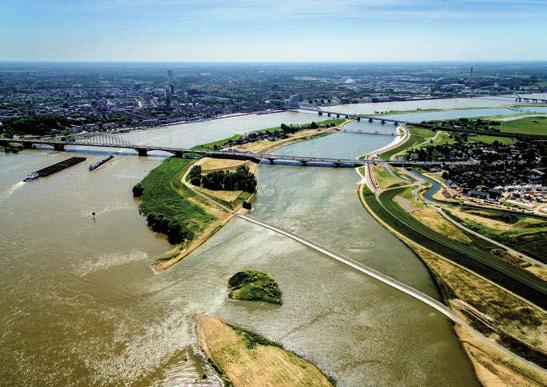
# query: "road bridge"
[143,150]
[530,100]
[426,125]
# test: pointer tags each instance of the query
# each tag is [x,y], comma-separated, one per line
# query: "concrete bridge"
[109,141]
[531,100]
[357,117]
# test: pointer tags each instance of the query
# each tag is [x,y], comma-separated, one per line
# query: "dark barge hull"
[60,166]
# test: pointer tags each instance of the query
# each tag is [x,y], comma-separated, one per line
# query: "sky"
[282,30]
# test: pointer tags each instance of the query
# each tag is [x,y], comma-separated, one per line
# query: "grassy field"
[476,257]
[162,195]
[245,358]
[527,125]
[384,178]
[221,143]
[491,139]
[525,234]
[253,285]
[418,135]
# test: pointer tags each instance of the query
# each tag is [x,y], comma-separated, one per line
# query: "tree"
[138,190]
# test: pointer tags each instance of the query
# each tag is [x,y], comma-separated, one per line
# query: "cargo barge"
[97,164]
[54,168]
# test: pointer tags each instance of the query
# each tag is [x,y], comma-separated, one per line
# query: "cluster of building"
[105,97]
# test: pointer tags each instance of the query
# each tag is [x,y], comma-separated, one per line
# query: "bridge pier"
[319,113]
[271,161]
[370,120]
[27,145]
[142,152]
[178,154]
[383,122]
[328,114]
[59,147]
[304,163]
[358,118]
[338,116]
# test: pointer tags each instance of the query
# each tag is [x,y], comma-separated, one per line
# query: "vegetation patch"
[253,285]
[244,358]
[166,204]
[526,125]
[275,133]
[417,136]
[476,257]
[240,180]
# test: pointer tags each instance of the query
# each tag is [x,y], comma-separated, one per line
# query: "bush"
[138,190]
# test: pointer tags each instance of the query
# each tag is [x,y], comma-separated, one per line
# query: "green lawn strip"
[165,195]
[527,125]
[478,260]
[221,143]
[491,139]
[417,136]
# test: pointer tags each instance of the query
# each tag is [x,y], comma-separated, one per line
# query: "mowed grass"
[163,194]
[491,139]
[417,136]
[527,125]
[525,234]
[476,257]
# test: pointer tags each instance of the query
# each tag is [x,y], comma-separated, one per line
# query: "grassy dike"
[489,308]
[243,358]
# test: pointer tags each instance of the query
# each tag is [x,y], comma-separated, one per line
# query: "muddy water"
[80,304]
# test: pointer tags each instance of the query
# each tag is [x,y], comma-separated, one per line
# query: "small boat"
[97,164]
[32,176]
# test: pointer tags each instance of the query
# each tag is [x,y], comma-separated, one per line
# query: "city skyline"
[251,30]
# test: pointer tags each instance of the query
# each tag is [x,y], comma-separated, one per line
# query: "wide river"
[80,304]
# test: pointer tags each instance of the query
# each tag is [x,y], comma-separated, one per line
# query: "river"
[81,305]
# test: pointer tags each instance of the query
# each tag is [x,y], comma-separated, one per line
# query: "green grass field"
[418,135]
[477,257]
[491,139]
[164,194]
[528,235]
[527,125]
[225,141]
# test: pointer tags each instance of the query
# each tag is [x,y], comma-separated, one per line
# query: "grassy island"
[253,285]
[244,358]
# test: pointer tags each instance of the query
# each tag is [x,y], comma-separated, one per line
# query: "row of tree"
[176,232]
[240,180]
[40,125]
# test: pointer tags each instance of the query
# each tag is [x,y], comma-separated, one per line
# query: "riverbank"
[244,358]
[488,308]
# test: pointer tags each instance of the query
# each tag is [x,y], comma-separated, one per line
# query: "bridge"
[529,99]
[369,131]
[110,141]
[427,125]
[357,117]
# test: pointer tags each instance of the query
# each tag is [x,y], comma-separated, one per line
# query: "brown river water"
[80,304]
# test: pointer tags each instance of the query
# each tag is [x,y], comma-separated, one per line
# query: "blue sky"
[282,30]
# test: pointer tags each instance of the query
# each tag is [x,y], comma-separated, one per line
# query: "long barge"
[97,164]
[55,168]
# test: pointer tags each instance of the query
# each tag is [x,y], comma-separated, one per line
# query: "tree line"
[240,180]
